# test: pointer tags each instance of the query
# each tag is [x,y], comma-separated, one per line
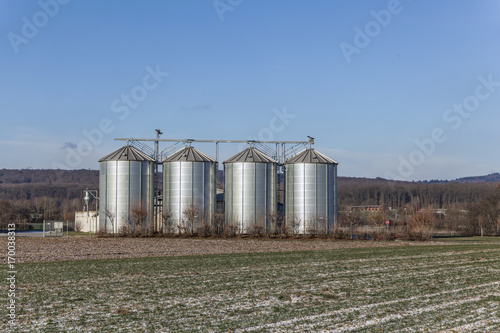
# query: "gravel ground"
[87,248]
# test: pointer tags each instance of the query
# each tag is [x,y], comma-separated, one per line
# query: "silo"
[310,192]
[189,190]
[126,190]
[250,191]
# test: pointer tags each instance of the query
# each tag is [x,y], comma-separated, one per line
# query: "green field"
[412,288]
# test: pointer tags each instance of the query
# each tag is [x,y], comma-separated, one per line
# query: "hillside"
[90,178]
[37,176]
[63,185]
[354,181]
[491,178]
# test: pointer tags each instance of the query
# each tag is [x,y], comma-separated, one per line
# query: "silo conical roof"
[251,155]
[127,153]
[188,154]
[310,156]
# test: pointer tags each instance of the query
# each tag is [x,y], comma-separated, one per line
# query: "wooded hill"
[457,193]
[27,184]
[32,176]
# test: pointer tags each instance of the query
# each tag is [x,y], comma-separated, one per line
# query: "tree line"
[419,195]
[34,176]
[34,195]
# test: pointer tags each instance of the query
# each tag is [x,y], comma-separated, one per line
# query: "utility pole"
[156,181]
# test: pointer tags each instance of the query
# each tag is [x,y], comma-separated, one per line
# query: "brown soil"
[87,248]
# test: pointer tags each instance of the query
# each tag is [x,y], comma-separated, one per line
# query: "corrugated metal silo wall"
[188,185]
[123,186]
[250,195]
[311,197]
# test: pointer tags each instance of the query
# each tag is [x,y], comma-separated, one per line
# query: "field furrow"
[441,288]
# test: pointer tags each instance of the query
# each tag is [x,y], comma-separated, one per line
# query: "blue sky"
[375,82]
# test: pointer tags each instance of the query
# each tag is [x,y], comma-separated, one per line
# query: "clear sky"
[394,89]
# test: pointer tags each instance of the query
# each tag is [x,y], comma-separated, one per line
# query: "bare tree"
[378,218]
[230,229]
[484,215]
[37,203]
[280,225]
[257,229]
[166,214]
[219,220]
[22,212]
[111,216]
[295,223]
[490,213]
[190,214]
[317,226]
[139,215]
[68,209]
[421,225]
[51,208]
[6,213]
[272,223]
[481,223]
[45,206]
[322,225]
[311,228]
[206,228]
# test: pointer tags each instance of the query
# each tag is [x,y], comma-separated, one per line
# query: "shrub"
[420,227]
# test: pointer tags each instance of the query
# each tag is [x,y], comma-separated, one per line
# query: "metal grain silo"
[189,190]
[125,185]
[250,191]
[310,192]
